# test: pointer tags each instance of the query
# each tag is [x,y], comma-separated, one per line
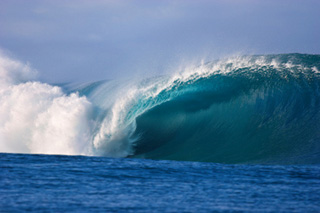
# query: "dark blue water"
[78,183]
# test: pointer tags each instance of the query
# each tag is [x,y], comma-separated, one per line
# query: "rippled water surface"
[77,183]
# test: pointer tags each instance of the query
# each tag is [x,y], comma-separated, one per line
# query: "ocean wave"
[246,109]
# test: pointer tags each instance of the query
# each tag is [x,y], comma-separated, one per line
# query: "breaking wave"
[248,109]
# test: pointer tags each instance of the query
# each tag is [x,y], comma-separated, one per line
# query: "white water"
[39,118]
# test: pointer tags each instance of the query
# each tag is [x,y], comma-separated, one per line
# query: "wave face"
[249,109]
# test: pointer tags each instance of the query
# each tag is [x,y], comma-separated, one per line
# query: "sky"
[89,40]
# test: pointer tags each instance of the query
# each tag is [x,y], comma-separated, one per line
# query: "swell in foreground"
[249,109]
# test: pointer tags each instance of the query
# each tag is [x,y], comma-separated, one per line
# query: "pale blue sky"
[85,40]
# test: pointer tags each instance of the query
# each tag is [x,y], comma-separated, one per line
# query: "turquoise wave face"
[253,109]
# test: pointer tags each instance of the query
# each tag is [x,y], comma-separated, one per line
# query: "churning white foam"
[39,118]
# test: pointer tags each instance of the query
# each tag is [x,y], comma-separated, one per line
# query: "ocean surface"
[79,183]
[236,134]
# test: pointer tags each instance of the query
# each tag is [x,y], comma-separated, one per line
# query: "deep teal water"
[251,109]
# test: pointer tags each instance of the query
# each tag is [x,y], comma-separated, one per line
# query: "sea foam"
[36,117]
